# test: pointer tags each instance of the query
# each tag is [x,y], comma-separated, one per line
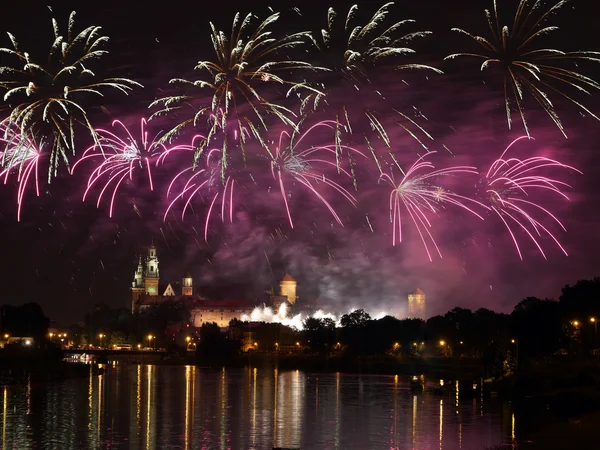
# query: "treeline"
[535,328]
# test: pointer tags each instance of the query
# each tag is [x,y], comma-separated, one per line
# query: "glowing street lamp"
[575,323]
[442,343]
[595,322]
[101,336]
[516,342]
[6,336]
[150,337]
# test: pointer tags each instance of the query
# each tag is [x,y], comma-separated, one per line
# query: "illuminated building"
[186,283]
[220,312]
[145,293]
[287,289]
[416,305]
[145,278]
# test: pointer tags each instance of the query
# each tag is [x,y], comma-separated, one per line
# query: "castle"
[146,292]
[416,305]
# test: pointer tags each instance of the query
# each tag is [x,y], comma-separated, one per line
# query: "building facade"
[416,305]
[287,288]
[145,293]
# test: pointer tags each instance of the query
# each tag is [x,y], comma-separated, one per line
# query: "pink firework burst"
[206,180]
[511,185]
[19,156]
[420,196]
[306,164]
[119,155]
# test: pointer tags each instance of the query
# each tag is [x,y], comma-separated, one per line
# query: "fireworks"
[300,161]
[45,98]
[527,67]
[205,180]
[511,185]
[119,156]
[20,155]
[248,60]
[419,196]
[363,46]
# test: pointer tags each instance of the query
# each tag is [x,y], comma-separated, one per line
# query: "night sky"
[68,255]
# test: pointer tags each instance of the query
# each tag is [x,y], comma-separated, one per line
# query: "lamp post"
[516,342]
[443,345]
[100,337]
[595,322]
[187,340]
[150,342]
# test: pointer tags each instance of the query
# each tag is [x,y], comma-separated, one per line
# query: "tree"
[214,344]
[24,320]
[319,333]
[581,300]
[357,318]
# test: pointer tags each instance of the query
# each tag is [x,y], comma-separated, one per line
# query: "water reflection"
[146,407]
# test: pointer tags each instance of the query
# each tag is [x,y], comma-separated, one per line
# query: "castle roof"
[287,277]
[419,292]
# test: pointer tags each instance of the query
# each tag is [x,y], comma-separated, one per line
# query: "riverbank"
[556,403]
[34,367]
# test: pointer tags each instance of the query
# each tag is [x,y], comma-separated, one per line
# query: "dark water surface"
[186,407]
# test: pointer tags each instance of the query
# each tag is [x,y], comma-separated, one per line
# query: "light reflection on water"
[147,407]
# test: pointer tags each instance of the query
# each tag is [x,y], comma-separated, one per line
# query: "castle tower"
[187,285]
[287,288]
[137,286]
[151,274]
[416,305]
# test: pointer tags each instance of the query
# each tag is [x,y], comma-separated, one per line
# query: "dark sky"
[68,255]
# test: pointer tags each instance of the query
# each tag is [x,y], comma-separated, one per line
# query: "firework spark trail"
[509,180]
[247,60]
[200,181]
[301,162]
[20,155]
[528,68]
[44,99]
[353,49]
[119,155]
[420,196]
[363,46]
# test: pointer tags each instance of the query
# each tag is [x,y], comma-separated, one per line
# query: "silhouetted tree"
[319,334]
[581,301]
[357,318]
[24,320]
[214,344]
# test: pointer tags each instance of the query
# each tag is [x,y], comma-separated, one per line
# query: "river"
[187,407]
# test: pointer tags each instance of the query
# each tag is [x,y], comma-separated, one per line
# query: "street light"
[595,322]
[101,336]
[575,323]
[442,343]
[516,341]
[150,337]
